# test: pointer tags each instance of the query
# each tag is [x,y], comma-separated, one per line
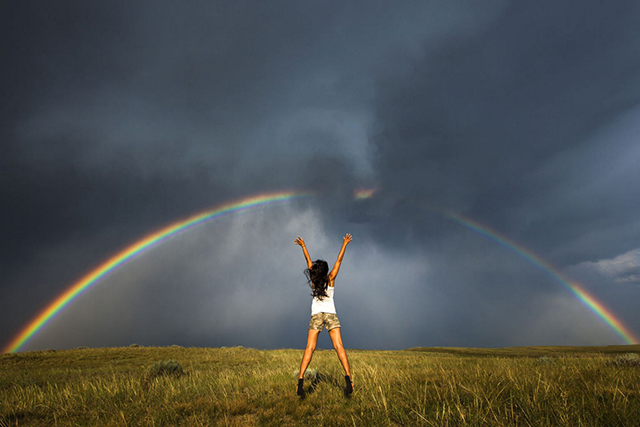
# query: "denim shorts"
[328,320]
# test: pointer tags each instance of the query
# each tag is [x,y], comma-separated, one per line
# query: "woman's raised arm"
[300,243]
[336,267]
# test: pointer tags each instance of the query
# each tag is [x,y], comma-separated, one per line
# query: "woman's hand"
[300,243]
[336,267]
[347,238]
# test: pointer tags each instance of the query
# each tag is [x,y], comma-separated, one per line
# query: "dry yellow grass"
[535,386]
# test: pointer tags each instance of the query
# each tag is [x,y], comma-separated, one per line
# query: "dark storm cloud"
[474,122]
[121,117]
[528,126]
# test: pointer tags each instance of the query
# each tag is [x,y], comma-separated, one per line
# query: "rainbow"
[135,250]
[154,239]
[364,193]
[573,287]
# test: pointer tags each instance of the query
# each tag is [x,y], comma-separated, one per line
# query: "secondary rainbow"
[575,288]
[135,250]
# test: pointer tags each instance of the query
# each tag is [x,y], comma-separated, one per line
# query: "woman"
[323,311]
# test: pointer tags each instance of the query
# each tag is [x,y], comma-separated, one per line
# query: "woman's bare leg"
[312,341]
[336,339]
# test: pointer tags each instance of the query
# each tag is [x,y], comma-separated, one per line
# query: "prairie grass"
[528,386]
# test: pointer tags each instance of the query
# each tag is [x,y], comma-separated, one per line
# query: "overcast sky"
[120,117]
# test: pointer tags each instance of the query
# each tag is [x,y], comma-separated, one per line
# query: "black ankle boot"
[349,388]
[300,387]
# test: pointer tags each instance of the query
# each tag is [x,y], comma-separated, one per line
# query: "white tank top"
[324,305]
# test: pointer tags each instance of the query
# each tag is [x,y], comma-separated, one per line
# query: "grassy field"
[527,386]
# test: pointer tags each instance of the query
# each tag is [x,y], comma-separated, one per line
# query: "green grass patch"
[174,386]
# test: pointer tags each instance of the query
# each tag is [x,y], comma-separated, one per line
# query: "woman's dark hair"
[318,279]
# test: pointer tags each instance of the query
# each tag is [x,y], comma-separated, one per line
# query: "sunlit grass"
[541,386]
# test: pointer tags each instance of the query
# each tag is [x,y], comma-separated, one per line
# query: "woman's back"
[325,304]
